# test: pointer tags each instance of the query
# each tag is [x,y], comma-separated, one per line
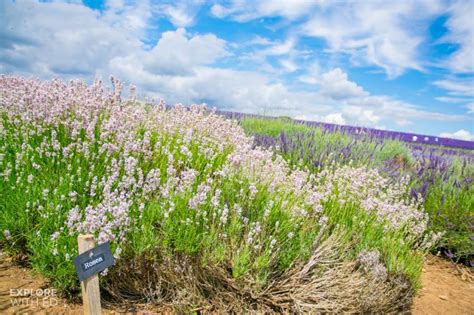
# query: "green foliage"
[366,232]
[306,145]
[166,226]
[163,228]
[272,127]
[449,202]
[449,191]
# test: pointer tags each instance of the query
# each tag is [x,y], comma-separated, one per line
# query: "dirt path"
[445,291]
[23,292]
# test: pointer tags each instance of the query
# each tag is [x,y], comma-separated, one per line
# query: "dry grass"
[323,283]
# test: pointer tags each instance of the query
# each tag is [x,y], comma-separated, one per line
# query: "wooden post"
[90,287]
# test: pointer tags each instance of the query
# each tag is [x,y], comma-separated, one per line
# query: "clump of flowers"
[390,202]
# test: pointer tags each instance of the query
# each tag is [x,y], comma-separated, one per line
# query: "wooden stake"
[90,287]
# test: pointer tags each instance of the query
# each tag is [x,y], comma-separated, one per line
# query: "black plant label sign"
[93,261]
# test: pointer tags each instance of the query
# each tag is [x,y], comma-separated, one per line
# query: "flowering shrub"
[185,184]
[440,178]
[389,201]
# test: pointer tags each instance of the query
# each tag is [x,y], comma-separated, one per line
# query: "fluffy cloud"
[336,85]
[47,39]
[460,134]
[225,88]
[461,32]
[357,106]
[130,18]
[335,118]
[362,115]
[177,53]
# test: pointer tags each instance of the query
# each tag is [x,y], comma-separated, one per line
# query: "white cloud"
[180,13]
[460,134]
[402,113]
[177,53]
[335,118]
[227,89]
[457,87]
[132,18]
[259,41]
[114,4]
[289,65]
[47,39]
[359,107]
[461,32]
[312,74]
[362,115]
[70,39]
[377,32]
[178,16]
[336,85]
[248,10]
[461,91]
[381,33]
[470,108]
[449,99]
[308,79]
[467,102]
[278,49]
[276,57]
[289,9]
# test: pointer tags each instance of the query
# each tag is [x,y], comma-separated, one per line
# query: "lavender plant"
[441,177]
[446,186]
[185,197]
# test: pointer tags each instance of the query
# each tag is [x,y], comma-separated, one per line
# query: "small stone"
[443,297]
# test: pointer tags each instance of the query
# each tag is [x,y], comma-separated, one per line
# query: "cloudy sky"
[398,65]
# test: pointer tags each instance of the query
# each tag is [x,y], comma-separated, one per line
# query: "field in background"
[412,138]
[439,175]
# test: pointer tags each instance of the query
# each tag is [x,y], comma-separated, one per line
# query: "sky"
[397,65]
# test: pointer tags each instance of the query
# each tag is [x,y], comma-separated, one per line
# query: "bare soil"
[22,291]
[447,289]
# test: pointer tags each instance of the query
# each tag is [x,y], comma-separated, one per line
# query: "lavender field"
[231,215]
[412,138]
[440,175]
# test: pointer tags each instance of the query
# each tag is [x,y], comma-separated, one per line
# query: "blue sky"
[406,65]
